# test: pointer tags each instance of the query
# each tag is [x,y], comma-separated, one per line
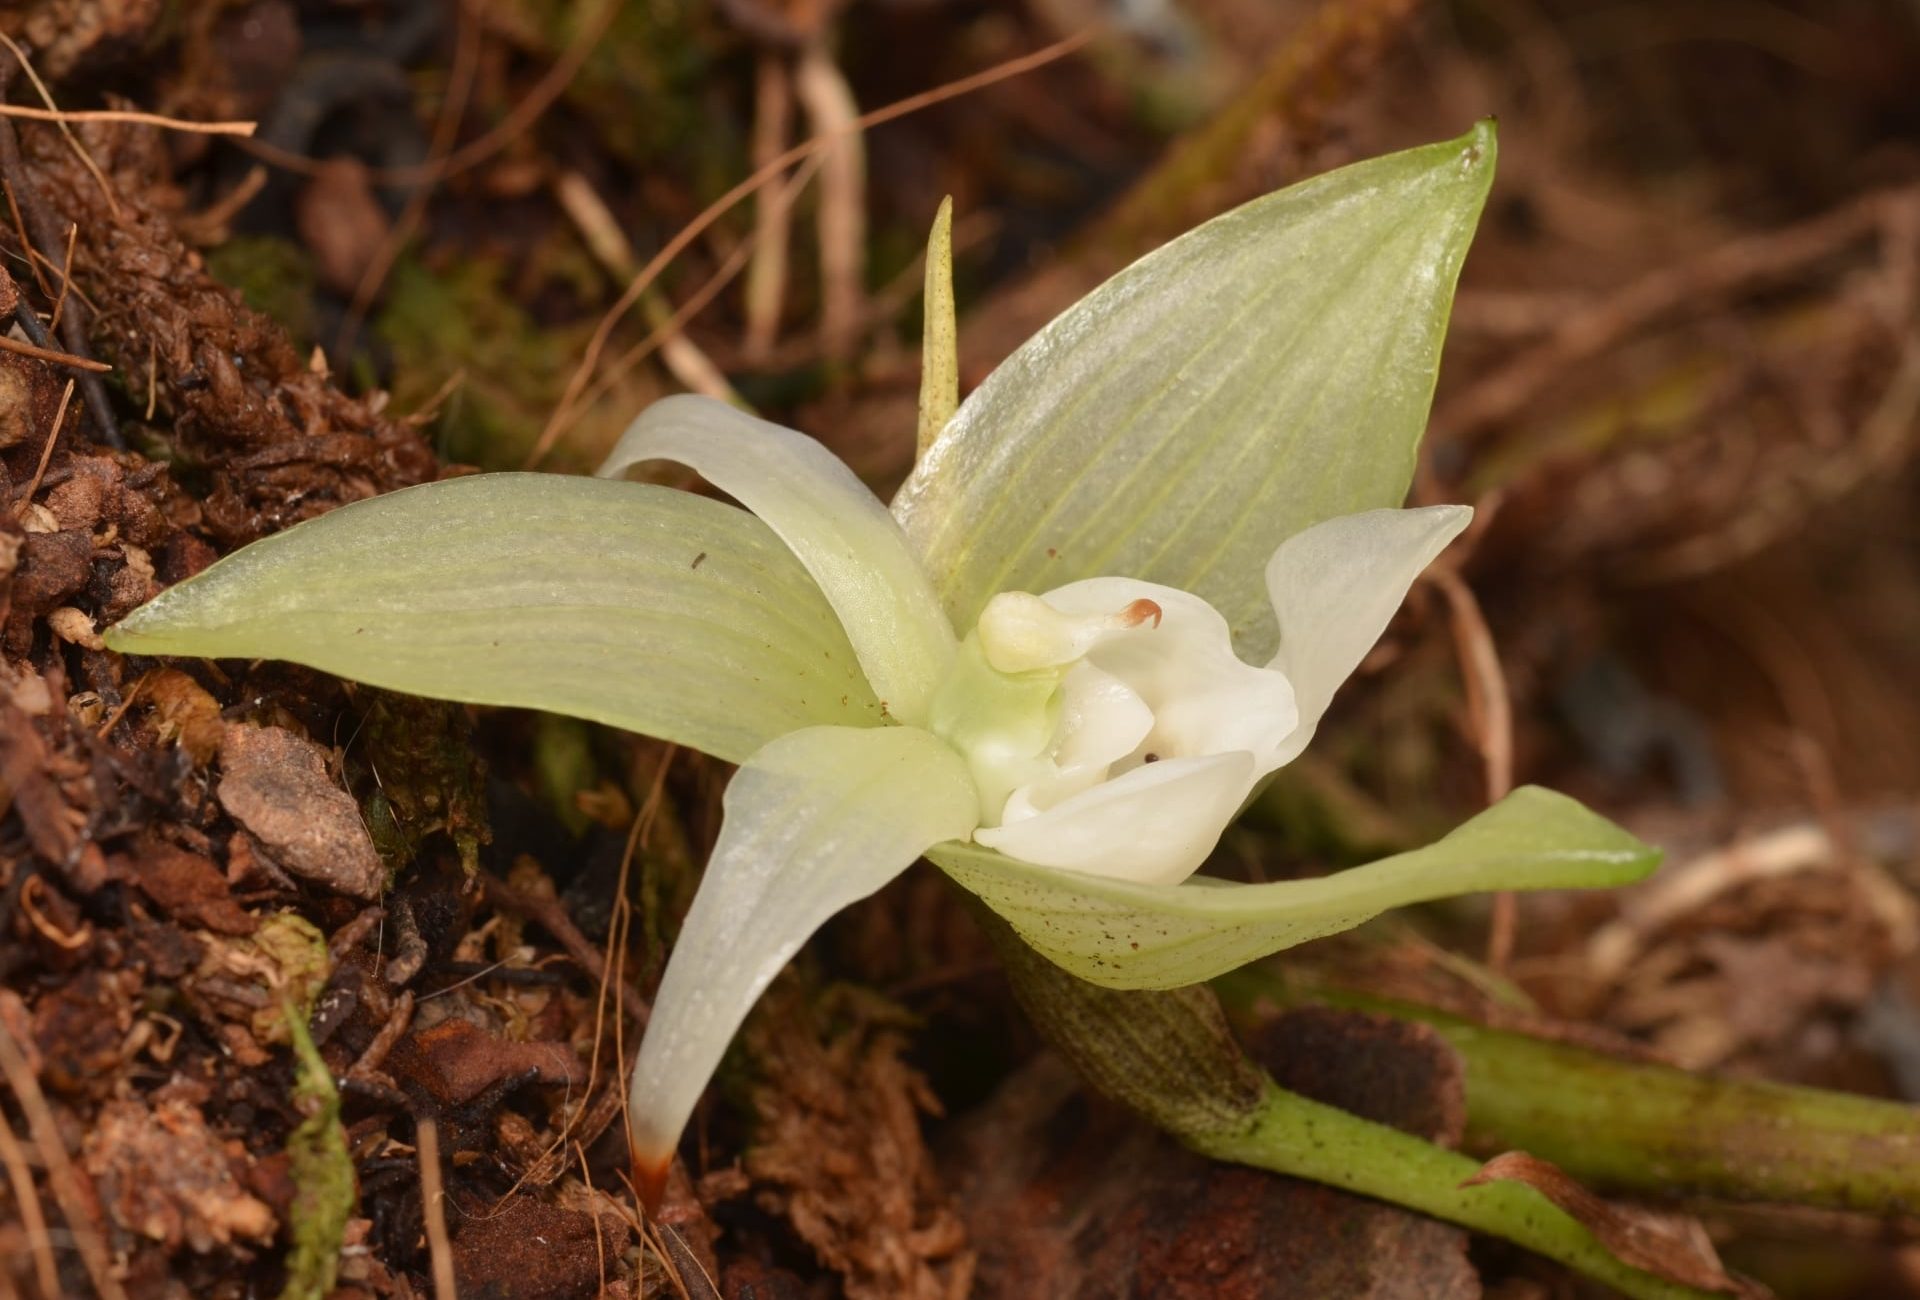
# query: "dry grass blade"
[46,451]
[32,1218]
[60,120]
[570,399]
[822,89]
[766,286]
[433,1207]
[56,358]
[130,116]
[1490,709]
[73,1197]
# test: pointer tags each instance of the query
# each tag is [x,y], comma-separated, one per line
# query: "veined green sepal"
[1132,936]
[638,606]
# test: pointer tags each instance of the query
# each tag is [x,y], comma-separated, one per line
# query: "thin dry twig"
[60,120]
[1491,711]
[470,155]
[46,451]
[32,215]
[69,1192]
[66,278]
[822,90]
[433,1206]
[132,116]
[1735,265]
[603,333]
[609,245]
[766,288]
[667,329]
[446,128]
[33,1219]
[67,359]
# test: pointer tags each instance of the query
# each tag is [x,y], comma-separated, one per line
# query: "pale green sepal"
[638,606]
[813,822]
[1164,936]
[837,528]
[1269,370]
[939,334]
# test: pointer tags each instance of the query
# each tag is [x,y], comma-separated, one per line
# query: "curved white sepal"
[1335,587]
[839,530]
[816,820]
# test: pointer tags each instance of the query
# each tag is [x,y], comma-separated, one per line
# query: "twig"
[822,90]
[1491,711]
[33,1219]
[475,152]
[426,1139]
[596,346]
[44,228]
[46,451]
[59,120]
[68,1191]
[50,355]
[551,916]
[460,79]
[398,1019]
[766,286]
[610,247]
[1731,266]
[666,330]
[126,115]
[66,278]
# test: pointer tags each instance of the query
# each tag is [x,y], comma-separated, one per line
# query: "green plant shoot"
[1119,591]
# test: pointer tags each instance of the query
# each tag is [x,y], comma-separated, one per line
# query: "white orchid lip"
[1153,733]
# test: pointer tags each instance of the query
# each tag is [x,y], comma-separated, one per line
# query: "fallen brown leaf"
[1674,1247]
[276,785]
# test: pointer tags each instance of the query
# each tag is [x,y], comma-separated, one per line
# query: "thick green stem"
[1171,1057]
[1306,1139]
[1634,1126]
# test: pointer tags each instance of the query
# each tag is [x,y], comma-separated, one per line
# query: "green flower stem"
[1293,1135]
[1171,1057]
[1633,1126]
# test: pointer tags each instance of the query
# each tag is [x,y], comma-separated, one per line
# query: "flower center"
[1025,709]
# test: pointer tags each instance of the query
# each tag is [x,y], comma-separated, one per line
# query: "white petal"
[1204,699]
[1102,720]
[837,528]
[1335,587]
[814,821]
[1153,825]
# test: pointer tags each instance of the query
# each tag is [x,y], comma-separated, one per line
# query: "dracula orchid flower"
[1119,590]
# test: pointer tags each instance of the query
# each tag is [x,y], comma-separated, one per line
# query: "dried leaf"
[1674,1247]
[276,785]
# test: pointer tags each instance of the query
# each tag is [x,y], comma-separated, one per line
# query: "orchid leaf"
[835,525]
[649,609]
[813,822]
[1135,936]
[1264,372]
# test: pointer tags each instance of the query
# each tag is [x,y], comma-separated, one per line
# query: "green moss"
[274,276]
[322,1172]
[428,778]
